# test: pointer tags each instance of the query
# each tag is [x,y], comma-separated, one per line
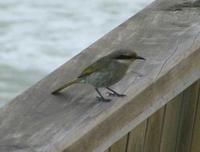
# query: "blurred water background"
[36,36]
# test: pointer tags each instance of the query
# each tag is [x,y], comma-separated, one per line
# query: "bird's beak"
[140,58]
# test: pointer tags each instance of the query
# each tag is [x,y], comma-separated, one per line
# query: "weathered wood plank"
[154,131]
[188,111]
[136,138]
[171,123]
[170,128]
[74,121]
[120,146]
[196,132]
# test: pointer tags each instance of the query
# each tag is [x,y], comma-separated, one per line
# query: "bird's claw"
[103,99]
[115,94]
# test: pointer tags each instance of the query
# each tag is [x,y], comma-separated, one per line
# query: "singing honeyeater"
[105,72]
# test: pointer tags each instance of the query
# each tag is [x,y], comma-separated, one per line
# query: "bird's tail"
[66,85]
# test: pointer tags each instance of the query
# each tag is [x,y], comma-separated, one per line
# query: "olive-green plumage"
[106,71]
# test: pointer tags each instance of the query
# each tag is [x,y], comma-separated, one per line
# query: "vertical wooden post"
[171,123]
[187,117]
[154,131]
[196,131]
[120,146]
[136,138]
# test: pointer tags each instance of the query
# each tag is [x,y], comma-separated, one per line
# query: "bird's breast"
[107,76]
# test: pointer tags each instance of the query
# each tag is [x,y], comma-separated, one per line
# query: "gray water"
[36,36]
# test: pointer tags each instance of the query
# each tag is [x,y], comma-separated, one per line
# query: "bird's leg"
[114,93]
[101,98]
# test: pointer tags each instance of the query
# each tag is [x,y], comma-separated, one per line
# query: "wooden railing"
[173,128]
[167,34]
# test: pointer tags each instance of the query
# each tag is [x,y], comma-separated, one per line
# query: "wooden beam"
[120,146]
[196,131]
[154,130]
[136,138]
[167,33]
[171,125]
[187,118]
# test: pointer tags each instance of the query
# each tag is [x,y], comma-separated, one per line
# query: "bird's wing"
[96,66]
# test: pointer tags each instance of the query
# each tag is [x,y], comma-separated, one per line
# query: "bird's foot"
[103,99]
[115,94]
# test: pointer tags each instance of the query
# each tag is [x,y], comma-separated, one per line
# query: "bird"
[105,72]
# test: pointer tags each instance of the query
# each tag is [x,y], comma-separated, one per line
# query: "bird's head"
[125,56]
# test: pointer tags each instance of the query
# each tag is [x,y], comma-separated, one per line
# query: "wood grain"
[154,131]
[196,131]
[136,138]
[171,124]
[74,120]
[187,118]
[120,146]
[163,129]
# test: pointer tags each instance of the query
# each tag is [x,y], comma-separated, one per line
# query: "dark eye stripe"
[124,57]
